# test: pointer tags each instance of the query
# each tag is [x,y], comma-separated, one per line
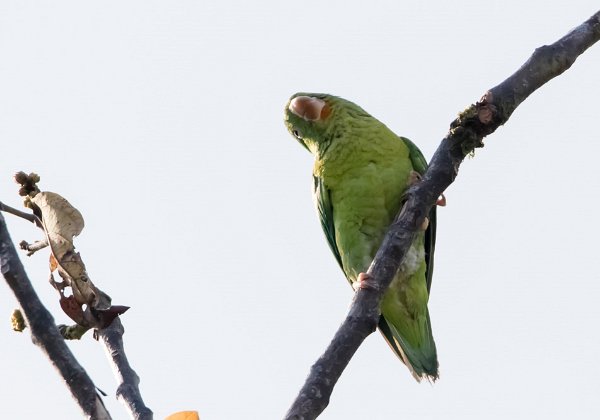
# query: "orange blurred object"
[184,415]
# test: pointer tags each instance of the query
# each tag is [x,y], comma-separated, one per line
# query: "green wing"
[420,165]
[324,207]
[418,160]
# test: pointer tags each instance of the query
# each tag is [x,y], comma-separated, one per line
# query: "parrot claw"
[441,201]
[366,282]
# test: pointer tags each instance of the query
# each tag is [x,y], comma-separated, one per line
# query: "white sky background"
[162,123]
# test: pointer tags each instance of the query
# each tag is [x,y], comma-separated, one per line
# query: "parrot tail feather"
[421,359]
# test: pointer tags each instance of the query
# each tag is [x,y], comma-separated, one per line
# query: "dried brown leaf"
[61,221]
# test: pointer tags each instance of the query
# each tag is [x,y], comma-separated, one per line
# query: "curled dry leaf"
[104,317]
[72,308]
[62,222]
[87,305]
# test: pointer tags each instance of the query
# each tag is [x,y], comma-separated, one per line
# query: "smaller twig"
[128,390]
[30,217]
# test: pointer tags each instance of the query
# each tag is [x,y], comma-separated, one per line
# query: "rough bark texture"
[44,332]
[466,133]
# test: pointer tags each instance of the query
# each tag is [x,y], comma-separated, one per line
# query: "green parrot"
[361,172]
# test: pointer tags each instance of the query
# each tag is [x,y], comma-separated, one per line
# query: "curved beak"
[308,108]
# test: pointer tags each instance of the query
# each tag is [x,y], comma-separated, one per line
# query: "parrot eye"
[297,133]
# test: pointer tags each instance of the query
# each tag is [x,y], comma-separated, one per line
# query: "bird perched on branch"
[361,173]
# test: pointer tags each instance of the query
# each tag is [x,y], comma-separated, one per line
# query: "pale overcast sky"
[162,122]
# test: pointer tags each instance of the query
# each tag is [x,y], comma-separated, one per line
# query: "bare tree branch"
[44,332]
[105,320]
[128,390]
[466,133]
[30,217]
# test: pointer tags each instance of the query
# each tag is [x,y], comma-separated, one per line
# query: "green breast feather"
[362,170]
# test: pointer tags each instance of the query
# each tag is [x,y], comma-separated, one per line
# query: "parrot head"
[314,119]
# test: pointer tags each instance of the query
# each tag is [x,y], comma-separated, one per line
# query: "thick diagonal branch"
[466,133]
[44,332]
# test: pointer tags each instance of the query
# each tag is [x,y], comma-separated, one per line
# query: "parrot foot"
[425,224]
[366,282]
[441,201]
[414,177]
